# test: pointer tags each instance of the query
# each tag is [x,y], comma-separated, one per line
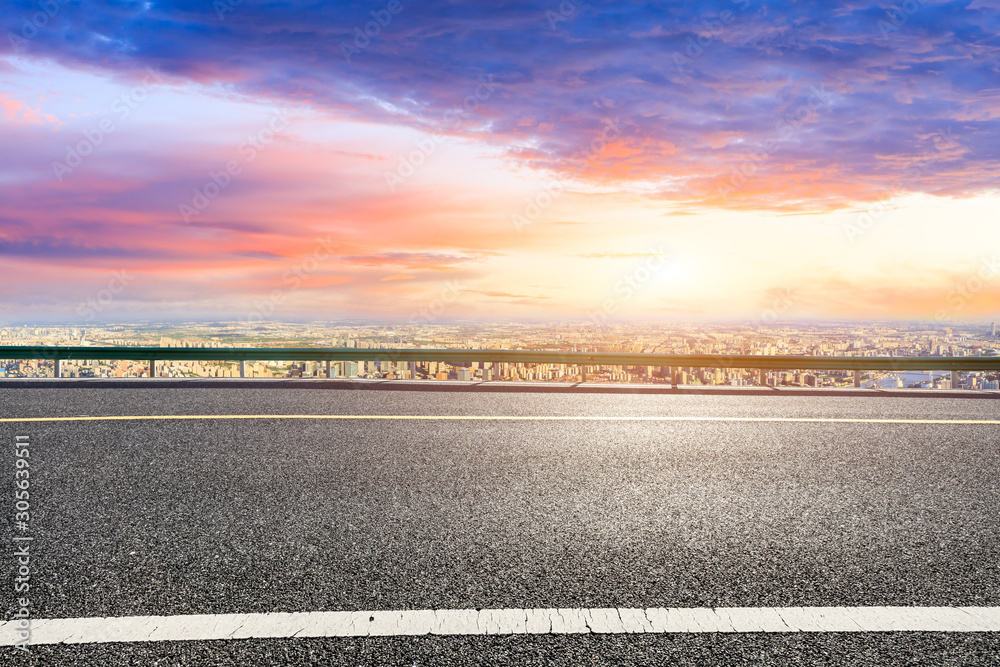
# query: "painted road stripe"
[806,420]
[505,622]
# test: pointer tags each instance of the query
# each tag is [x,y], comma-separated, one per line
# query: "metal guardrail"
[583,359]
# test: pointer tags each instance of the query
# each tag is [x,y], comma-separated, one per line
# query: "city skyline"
[718,343]
[525,162]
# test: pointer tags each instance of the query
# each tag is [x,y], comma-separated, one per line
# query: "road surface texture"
[606,506]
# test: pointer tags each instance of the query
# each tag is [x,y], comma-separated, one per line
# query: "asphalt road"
[240,516]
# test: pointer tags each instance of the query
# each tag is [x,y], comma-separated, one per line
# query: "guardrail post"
[762,376]
[329,369]
[243,368]
[954,379]
[152,368]
[583,373]
[58,368]
[857,379]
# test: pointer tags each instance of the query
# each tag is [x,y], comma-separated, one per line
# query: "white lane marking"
[203,627]
[813,420]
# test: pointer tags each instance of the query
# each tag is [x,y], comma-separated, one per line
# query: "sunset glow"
[528,158]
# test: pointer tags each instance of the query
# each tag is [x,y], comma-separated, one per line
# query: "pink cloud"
[17,112]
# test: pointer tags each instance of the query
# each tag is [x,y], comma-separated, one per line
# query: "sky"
[432,161]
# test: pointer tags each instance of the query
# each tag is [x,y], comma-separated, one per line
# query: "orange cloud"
[505,295]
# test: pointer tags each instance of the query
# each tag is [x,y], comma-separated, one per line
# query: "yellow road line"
[813,420]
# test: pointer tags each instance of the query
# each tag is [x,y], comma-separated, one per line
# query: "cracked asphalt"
[227,516]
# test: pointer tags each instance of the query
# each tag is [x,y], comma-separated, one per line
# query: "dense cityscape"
[805,339]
